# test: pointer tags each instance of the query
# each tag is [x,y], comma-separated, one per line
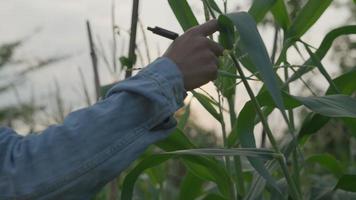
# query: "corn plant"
[240,169]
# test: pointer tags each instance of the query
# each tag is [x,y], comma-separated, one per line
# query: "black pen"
[163,32]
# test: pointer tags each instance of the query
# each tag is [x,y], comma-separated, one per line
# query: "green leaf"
[347,182]
[227,34]
[345,83]
[307,16]
[126,62]
[183,13]
[327,161]
[226,80]
[212,4]
[321,68]
[314,122]
[214,197]
[252,44]
[244,131]
[280,13]
[175,141]
[205,168]
[210,170]
[351,125]
[331,106]
[248,152]
[324,48]
[326,106]
[207,104]
[184,118]
[259,9]
[311,124]
[189,182]
[105,89]
[131,177]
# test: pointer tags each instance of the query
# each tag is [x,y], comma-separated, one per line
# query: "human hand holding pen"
[195,55]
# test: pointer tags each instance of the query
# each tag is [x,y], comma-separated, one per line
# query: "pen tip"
[149,28]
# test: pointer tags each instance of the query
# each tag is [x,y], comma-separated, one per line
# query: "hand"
[195,55]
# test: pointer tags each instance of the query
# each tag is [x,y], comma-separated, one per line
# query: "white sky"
[62,24]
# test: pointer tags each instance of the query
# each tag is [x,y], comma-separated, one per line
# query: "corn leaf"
[327,161]
[183,120]
[244,131]
[331,106]
[248,152]
[207,104]
[321,68]
[251,43]
[326,106]
[190,181]
[307,16]
[226,30]
[183,13]
[280,14]
[210,170]
[131,177]
[175,141]
[214,197]
[105,89]
[314,122]
[227,77]
[205,168]
[323,49]
[345,83]
[311,124]
[212,4]
[347,182]
[259,9]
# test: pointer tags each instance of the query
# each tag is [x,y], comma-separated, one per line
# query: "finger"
[213,72]
[216,48]
[207,28]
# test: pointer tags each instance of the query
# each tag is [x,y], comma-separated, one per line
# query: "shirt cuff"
[169,77]
[165,74]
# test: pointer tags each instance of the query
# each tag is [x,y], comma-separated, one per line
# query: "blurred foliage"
[322,165]
[22,111]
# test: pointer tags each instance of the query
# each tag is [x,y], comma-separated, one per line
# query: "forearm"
[94,144]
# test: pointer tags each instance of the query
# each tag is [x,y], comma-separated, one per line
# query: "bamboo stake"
[94,61]
[132,47]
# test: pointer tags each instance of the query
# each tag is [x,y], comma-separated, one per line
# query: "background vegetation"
[311,153]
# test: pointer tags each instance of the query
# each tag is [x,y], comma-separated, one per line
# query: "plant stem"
[240,189]
[295,163]
[94,61]
[257,106]
[113,26]
[225,6]
[275,43]
[223,129]
[132,47]
[291,184]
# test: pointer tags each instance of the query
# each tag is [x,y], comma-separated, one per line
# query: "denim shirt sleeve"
[75,159]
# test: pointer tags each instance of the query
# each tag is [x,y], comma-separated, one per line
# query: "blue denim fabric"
[75,159]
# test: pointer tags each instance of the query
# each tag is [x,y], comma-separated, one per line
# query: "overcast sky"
[62,24]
